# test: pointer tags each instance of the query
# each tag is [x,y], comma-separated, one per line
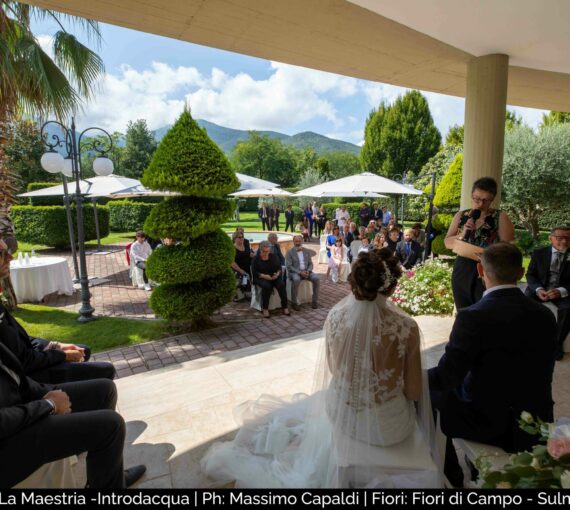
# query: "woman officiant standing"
[480,226]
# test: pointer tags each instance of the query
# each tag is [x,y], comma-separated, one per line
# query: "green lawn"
[112,238]
[101,334]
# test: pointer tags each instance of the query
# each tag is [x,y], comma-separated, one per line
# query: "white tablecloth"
[44,275]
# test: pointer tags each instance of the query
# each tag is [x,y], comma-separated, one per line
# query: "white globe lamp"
[52,162]
[67,168]
[103,166]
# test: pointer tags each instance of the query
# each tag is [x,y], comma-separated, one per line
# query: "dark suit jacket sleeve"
[463,347]
[15,418]
[532,276]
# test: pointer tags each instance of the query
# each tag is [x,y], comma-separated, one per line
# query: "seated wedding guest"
[241,230]
[276,248]
[392,241]
[499,362]
[365,246]
[242,262]
[371,231]
[338,255]
[548,281]
[267,274]
[361,233]
[140,252]
[400,228]
[379,241]
[327,230]
[408,251]
[331,240]
[44,361]
[352,234]
[344,233]
[300,267]
[419,234]
[42,423]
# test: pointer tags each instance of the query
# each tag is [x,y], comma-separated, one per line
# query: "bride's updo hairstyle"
[374,272]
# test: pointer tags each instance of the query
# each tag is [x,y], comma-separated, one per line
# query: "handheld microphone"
[475,215]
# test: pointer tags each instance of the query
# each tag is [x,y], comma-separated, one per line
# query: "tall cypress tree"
[195,276]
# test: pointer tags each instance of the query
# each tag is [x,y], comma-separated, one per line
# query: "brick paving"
[238,325]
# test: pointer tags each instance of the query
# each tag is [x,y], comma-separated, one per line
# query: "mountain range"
[226,138]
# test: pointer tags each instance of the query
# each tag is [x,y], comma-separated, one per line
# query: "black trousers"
[274,225]
[289,224]
[267,287]
[71,372]
[93,426]
[467,287]
[265,224]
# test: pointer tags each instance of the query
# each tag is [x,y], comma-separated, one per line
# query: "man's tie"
[407,248]
[554,277]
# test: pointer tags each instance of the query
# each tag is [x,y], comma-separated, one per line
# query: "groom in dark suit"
[548,281]
[498,362]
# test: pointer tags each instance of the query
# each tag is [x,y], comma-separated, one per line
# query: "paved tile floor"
[239,325]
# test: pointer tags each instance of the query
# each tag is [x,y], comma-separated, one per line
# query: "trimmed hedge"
[438,245]
[127,216]
[185,218]
[48,224]
[205,256]
[192,302]
[188,161]
[56,200]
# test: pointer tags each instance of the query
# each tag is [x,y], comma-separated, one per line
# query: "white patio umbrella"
[360,185]
[136,191]
[261,193]
[249,182]
[93,186]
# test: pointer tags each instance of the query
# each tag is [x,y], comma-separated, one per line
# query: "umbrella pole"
[94,200]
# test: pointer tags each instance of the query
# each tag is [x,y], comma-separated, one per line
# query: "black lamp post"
[54,162]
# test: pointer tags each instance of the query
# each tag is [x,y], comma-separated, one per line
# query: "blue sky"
[152,77]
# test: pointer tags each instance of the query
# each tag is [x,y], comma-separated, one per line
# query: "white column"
[485,107]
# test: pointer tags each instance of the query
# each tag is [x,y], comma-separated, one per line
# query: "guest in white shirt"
[342,217]
[140,251]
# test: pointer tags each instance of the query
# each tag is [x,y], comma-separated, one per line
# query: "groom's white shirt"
[500,287]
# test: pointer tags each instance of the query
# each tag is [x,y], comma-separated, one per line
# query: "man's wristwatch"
[52,404]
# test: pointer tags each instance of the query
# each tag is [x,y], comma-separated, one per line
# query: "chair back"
[128,253]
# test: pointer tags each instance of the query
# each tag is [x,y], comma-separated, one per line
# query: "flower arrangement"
[547,466]
[425,289]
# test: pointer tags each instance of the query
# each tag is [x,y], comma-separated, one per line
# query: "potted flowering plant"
[546,466]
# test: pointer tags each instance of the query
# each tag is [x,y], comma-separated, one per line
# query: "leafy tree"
[323,169]
[24,149]
[400,138]
[139,148]
[455,135]
[512,120]
[342,164]
[199,282]
[116,154]
[311,177]
[372,155]
[448,194]
[553,118]
[307,158]
[536,173]
[33,83]
[266,158]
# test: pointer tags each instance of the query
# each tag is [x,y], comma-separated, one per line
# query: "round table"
[42,276]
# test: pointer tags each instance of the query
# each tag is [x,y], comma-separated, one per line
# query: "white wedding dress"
[359,428]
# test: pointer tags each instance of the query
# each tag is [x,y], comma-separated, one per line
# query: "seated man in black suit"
[409,251]
[43,423]
[498,362]
[49,362]
[548,281]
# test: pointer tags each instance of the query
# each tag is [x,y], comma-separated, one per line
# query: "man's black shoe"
[134,474]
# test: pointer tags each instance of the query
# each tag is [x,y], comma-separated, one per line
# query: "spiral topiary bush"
[195,276]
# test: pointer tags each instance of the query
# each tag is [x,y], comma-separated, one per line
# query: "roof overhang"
[331,35]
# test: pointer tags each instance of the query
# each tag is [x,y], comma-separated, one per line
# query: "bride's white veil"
[368,422]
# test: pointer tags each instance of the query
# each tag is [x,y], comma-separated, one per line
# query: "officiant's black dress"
[467,286]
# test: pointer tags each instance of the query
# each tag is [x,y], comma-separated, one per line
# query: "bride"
[367,384]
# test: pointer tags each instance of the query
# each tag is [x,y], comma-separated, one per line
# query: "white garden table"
[42,276]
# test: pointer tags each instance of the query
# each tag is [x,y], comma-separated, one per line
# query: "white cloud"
[289,97]
[355,136]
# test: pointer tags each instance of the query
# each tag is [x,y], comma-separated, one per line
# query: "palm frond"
[42,86]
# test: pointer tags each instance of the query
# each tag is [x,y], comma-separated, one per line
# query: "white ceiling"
[534,33]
